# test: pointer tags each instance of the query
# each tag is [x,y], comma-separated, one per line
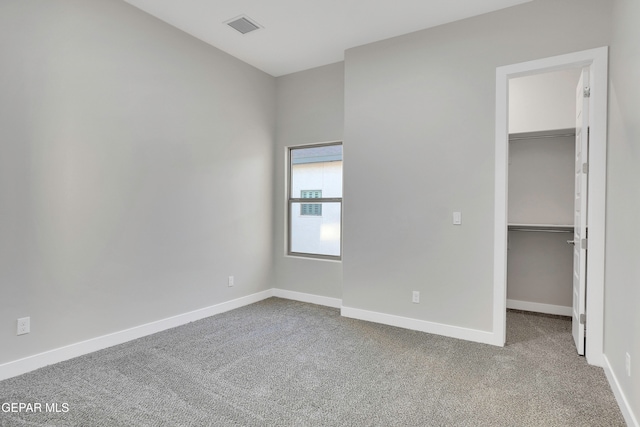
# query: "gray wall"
[135,172]
[419,144]
[541,181]
[622,291]
[310,110]
[540,268]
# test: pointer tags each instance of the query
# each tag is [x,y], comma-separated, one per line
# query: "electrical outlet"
[416,297]
[24,326]
[627,364]
[230,282]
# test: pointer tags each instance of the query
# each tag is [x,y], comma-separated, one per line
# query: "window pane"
[316,169]
[316,234]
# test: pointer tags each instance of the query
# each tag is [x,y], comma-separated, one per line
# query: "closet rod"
[559,135]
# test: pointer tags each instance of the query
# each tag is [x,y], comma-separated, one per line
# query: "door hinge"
[583,319]
[584,244]
[587,92]
[585,168]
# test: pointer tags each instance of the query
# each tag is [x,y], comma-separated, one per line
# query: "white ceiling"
[302,34]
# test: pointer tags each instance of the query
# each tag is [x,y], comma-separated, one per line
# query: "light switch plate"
[457,218]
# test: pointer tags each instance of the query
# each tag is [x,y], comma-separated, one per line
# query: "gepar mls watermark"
[33,407]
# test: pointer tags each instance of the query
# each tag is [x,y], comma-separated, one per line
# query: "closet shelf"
[548,228]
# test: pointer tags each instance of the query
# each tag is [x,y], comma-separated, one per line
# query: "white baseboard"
[623,403]
[30,363]
[539,307]
[310,298]
[421,325]
[27,364]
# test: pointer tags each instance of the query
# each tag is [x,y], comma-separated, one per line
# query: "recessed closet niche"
[541,192]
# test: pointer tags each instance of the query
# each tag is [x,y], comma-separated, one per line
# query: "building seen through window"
[314,209]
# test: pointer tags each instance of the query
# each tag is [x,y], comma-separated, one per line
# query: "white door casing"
[580,212]
[597,61]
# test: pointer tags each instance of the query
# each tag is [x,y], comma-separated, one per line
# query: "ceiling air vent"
[243,24]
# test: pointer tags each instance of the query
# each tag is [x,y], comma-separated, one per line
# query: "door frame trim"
[597,60]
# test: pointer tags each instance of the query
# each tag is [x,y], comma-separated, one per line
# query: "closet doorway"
[545,268]
[542,196]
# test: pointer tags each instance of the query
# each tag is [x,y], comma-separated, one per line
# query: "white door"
[580,212]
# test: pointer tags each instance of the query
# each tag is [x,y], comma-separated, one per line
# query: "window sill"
[311,258]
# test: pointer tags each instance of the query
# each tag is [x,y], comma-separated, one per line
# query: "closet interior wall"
[540,261]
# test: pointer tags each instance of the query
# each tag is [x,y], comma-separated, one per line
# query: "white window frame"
[291,200]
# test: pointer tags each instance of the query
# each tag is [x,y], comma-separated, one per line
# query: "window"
[314,229]
[311,209]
